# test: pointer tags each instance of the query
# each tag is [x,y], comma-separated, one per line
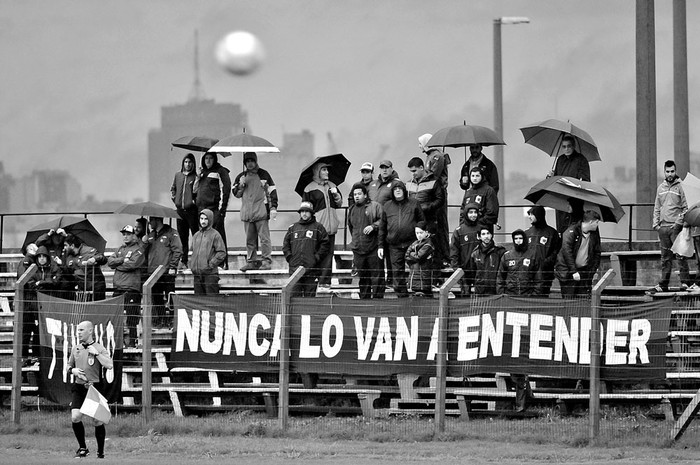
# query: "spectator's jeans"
[398,270]
[253,230]
[326,264]
[132,308]
[666,237]
[187,224]
[206,283]
[370,270]
[161,292]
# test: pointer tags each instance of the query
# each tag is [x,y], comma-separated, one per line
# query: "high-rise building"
[45,190]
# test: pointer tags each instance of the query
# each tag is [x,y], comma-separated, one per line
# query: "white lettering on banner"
[212,347]
[258,350]
[614,340]
[563,338]
[306,350]
[537,335]
[517,321]
[406,338]
[466,337]
[640,333]
[433,349]
[187,329]
[235,333]
[332,322]
[382,346]
[364,339]
[491,335]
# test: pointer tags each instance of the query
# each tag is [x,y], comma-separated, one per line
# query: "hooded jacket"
[670,205]
[369,213]
[213,186]
[419,257]
[380,189]
[464,240]
[430,195]
[544,239]
[483,265]
[163,248]
[46,276]
[208,249]
[519,271]
[305,244]
[128,262]
[436,163]
[486,197]
[397,228]
[258,195]
[324,203]
[570,243]
[182,189]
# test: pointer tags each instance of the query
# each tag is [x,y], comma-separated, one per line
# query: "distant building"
[6,183]
[45,190]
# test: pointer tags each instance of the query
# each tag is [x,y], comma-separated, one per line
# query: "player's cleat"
[81,453]
[100,455]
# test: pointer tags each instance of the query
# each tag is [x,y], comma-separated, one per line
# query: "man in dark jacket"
[482,194]
[305,244]
[213,189]
[572,164]
[258,195]
[162,247]
[484,263]
[364,217]
[367,178]
[579,257]
[182,194]
[380,189]
[488,168]
[397,232]
[430,194]
[546,241]
[44,279]
[464,241]
[208,253]
[128,263]
[519,271]
[84,263]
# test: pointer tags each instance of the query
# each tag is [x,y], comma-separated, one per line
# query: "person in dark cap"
[379,191]
[419,257]
[182,195]
[258,194]
[484,262]
[306,244]
[366,173]
[464,240]
[546,241]
[519,271]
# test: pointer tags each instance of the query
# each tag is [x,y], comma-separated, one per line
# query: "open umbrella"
[147,209]
[76,225]
[337,171]
[243,143]
[556,191]
[465,135]
[691,188]
[195,143]
[547,136]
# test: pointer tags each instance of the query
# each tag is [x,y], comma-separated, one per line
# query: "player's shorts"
[78,394]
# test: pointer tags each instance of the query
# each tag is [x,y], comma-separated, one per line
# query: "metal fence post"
[146,382]
[441,369]
[18,328]
[283,404]
[594,401]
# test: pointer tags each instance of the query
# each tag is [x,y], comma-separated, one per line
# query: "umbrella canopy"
[195,143]
[147,209]
[547,136]
[337,171]
[464,135]
[691,188]
[556,191]
[243,143]
[76,225]
[692,216]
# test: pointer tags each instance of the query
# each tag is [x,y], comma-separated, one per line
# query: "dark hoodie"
[519,271]
[465,239]
[305,244]
[486,197]
[397,227]
[483,265]
[182,190]
[213,186]
[544,239]
[208,249]
[47,275]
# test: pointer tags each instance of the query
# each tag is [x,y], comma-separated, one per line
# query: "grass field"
[253,439]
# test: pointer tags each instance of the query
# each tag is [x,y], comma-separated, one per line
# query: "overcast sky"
[83,81]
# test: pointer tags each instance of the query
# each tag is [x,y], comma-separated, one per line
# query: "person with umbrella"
[488,168]
[258,194]
[579,256]
[182,195]
[670,208]
[84,263]
[573,164]
[213,189]
[325,198]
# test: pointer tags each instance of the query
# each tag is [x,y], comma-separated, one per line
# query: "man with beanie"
[366,172]
[213,189]
[546,241]
[325,198]
[87,360]
[519,271]
[258,194]
[397,231]
[579,256]
[182,195]
[208,253]
[464,241]
[364,217]
[484,263]
[306,244]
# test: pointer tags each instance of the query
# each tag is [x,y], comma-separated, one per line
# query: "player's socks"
[100,434]
[79,431]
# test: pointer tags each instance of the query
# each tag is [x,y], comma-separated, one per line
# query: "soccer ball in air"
[240,53]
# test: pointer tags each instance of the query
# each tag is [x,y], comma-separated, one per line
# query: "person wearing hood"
[208,253]
[484,263]
[480,192]
[182,195]
[364,216]
[547,242]
[84,263]
[419,257]
[325,198]
[464,240]
[258,194]
[670,208]
[128,263]
[488,169]
[212,190]
[306,243]
[397,231]
[54,241]
[519,271]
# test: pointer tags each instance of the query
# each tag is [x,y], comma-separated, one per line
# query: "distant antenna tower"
[331,143]
[197,93]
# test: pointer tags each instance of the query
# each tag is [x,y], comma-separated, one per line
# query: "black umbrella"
[76,225]
[337,170]
[195,143]
[147,209]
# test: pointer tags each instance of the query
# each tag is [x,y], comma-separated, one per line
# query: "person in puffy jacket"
[258,195]
[128,263]
[84,262]
[579,256]
[306,244]
[364,217]
[44,279]
[464,241]
[547,242]
[419,257]
[162,247]
[519,271]
[212,190]
[483,194]
[484,263]
[182,195]
[325,198]
[208,253]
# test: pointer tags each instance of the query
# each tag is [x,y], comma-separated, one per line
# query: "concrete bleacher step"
[421,406]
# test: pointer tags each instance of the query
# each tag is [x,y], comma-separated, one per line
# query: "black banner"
[58,322]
